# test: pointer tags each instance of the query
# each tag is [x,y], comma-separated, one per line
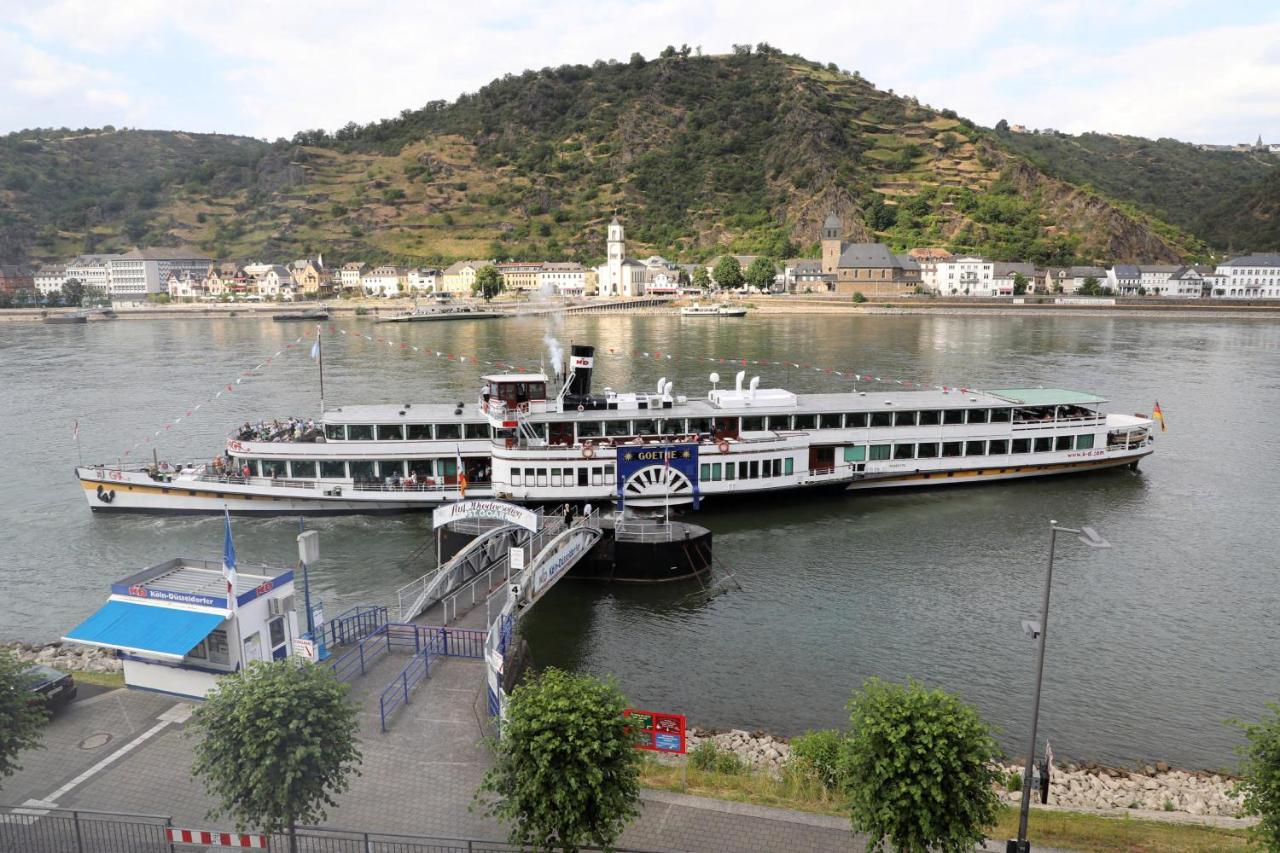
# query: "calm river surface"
[1153,644]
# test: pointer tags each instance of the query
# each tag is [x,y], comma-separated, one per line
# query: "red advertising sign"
[657,731]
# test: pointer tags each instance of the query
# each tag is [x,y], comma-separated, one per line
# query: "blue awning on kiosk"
[161,631]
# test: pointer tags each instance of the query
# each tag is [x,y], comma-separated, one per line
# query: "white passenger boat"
[697,309]
[525,440]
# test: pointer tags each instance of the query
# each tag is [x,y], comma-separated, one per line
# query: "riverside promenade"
[126,751]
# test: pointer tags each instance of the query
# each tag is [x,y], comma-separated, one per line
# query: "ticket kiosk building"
[176,631]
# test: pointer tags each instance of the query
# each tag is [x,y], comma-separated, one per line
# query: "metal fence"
[396,693]
[356,661]
[352,625]
[28,830]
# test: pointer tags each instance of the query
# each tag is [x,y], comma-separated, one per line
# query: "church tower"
[831,243]
[617,253]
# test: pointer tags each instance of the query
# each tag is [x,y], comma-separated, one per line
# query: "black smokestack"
[581,363]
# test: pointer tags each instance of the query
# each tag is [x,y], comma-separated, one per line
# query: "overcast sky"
[1198,71]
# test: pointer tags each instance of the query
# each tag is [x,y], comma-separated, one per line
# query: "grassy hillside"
[699,155]
[63,192]
[1228,199]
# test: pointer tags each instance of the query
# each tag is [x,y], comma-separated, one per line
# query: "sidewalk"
[125,751]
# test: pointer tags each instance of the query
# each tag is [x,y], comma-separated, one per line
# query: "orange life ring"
[724,446]
[511,442]
[588,451]
[581,408]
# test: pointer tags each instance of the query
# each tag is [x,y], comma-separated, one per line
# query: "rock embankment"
[759,751]
[1157,788]
[67,657]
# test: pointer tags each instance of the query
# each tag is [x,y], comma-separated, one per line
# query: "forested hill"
[699,155]
[1229,199]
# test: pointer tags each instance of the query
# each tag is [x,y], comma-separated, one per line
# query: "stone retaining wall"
[68,657]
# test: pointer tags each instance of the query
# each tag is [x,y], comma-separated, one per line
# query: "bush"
[858,298]
[566,770]
[704,755]
[361,310]
[710,758]
[1260,768]
[819,753]
[919,768]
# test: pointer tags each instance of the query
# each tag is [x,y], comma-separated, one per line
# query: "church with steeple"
[866,268]
[620,275]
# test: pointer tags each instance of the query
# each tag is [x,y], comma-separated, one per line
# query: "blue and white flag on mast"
[315,348]
[229,564]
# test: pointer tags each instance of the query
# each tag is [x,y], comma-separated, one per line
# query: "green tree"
[1260,769]
[701,278]
[277,742]
[919,768]
[1019,284]
[728,272]
[72,293]
[566,771]
[20,723]
[488,283]
[1090,287]
[760,273]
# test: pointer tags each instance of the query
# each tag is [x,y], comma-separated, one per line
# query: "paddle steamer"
[529,438]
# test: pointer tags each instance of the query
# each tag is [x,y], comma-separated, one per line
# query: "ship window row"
[999,447]
[570,475]
[569,432]
[410,432]
[361,470]
[747,469]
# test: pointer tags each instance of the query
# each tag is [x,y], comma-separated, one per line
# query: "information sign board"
[657,731]
[304,648]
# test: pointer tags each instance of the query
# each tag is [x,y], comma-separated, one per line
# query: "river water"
[1154,643]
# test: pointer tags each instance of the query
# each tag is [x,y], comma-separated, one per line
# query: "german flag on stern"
[1158,415]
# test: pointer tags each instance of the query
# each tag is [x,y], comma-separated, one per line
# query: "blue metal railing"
[352,625]
[397,692]
[356,661]
[453,642]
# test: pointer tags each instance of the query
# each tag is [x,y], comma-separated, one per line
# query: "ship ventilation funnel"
[737,380]
[755,383]
[667,389]
[581,364]
[661,383]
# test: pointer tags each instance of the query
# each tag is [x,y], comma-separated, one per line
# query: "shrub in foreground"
[566,771]
[919,768]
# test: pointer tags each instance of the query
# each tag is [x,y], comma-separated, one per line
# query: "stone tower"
[617,253]
[832,245]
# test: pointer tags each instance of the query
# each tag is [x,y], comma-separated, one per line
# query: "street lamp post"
[1089,537]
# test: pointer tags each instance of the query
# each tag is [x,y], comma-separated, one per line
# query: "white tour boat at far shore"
[524,440]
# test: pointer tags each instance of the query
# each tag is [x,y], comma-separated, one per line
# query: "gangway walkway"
[471,573]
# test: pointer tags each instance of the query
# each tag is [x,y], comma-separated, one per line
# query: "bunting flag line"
[226,389]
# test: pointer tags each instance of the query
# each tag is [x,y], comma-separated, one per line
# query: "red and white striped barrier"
[214,839]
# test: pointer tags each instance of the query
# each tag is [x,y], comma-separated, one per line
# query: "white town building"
[964,276]
[562,279]
[48,280]
[350,274]
[145,271]
[1254,276]
[383,281]
[92,272]
[422,279]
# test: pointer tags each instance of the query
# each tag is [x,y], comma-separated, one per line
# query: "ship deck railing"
[293,483]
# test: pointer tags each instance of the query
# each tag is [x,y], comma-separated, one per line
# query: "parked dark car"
[49,686]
